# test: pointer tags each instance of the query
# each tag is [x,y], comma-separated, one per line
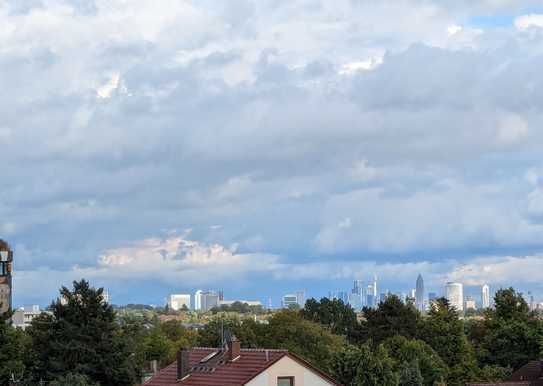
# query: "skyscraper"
[375,286]
[300,298]
[455,295]
[176,302]
[485,296]
[198,300]
[419,294]
[6,264]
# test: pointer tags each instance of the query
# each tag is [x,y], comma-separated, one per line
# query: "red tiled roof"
[250,363]
[220,372]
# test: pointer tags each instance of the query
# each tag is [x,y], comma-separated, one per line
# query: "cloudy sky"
[268,146]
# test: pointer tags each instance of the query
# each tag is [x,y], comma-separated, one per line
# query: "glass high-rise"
[454,292]
[419,293]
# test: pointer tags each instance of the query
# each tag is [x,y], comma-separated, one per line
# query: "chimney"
[182,364]
[234,349]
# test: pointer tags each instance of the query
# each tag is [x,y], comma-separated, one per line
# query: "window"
[285,381]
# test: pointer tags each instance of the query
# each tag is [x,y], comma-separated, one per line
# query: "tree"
[246,330]
[338,316]
[362,366]
[408,351]
[156,346]
[510,335]
[73,379]
[444,332]
[287,329]
[410,374]
[14,347]
[81,336]
[392,317]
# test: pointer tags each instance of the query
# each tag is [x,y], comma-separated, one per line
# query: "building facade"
[288,300]
[485,296]
[419,293]
[177,302]
[454,292]
[6,268]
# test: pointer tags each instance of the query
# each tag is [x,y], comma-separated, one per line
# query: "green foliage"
[14,347]
[157,346]
[336,315]
[362,366]
[510,335]
[73,379]
[444,332]
[430,365]
[81,337]
[246,330]
[287,329]
[410,374]
[392,317]
[239,307]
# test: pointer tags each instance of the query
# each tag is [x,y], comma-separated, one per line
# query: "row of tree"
[83,341]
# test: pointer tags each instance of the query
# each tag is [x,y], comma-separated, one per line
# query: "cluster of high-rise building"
[204,300]
[363,295]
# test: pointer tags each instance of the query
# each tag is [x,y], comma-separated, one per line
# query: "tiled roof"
[218,370]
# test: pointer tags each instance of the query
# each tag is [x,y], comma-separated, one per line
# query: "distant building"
[339,295]
[470,303]
[198,300]
[6,267]
[23,316]
[419,293]
[289,300]
[177,302]
[485,296]
[455,295]
[210,299]
[432,296]
[300,297]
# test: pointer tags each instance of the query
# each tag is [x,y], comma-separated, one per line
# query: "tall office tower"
[485,296]
[419,294]
[6,265]
[300,298]
[455,295]
[375,286]
[198,300]
[176,302]
[370,297]
[357,287]
[221,295]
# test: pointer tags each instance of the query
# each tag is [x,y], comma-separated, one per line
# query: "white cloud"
[512,129]
[106,90]
[364,65]
[529,21]
[453,29]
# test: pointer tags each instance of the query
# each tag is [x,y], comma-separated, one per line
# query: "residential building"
[485,296]
[23,316]
[454,292]
[531,374]
[419,293]
[6,267]
[289,300]
[177,302]
[235,366]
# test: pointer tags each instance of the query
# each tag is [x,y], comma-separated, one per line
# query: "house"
[234,366]
[530,374]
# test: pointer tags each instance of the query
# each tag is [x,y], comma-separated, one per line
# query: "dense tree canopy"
[81,336]
[338,316]
[392,317]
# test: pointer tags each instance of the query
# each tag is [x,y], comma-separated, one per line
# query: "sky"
[263,147]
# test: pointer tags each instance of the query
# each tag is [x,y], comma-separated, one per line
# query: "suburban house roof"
[219,370]
[531,374]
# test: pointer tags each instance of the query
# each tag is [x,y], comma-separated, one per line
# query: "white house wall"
[287,367]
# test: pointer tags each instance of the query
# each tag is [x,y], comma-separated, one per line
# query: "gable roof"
[220,371]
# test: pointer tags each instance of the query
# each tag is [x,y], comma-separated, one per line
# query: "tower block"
[6,268]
